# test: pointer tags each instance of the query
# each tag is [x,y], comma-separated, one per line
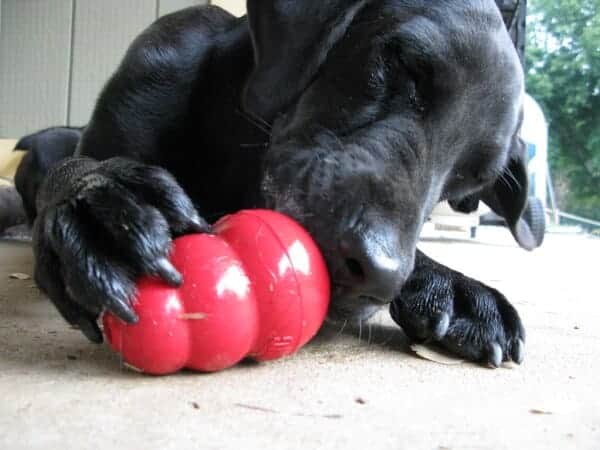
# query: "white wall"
[55,56]
[34,64]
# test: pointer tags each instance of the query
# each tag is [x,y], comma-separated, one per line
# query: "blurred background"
[563,75]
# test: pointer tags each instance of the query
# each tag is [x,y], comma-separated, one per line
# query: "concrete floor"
[59,391]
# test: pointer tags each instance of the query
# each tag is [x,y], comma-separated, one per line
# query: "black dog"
[353,116]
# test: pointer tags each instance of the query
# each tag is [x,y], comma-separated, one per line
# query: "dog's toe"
[494,355]
[472,320]
[440,326]
[517,351]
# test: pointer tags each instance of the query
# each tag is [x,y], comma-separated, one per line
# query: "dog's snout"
[374,265]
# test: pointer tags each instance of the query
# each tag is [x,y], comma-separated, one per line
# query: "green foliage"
[563,75]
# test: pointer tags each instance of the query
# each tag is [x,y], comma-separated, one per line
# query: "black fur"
[465,316]
[43,148]
[355,117]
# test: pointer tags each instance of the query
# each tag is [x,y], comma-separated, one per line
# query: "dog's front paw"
[113,225]
[463,315]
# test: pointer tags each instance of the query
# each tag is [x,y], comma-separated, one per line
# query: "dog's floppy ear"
[508,196]
[291,39]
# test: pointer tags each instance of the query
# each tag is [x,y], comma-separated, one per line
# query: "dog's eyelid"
[395,57]
[417,66]
[403,79]
[420,79]
[408,66]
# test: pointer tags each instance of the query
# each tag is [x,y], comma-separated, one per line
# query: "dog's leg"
[45,149]
[107,216]
[100,226]
[467,317]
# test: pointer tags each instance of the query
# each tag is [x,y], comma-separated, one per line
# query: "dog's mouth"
[342,291]
[346,307]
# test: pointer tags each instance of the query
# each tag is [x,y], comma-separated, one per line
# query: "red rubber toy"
[258,287]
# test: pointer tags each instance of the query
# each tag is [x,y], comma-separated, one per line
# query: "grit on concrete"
[57,391]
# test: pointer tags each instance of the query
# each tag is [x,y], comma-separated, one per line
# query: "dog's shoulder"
[180,38]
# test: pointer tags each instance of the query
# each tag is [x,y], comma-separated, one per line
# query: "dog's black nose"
[374,263]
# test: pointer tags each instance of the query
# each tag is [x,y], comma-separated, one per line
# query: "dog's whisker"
[264,127]
[509,179]
[514,179]
[339,333]
[359,330]
[262,144]
[256,119]
[260,120]
[505,181]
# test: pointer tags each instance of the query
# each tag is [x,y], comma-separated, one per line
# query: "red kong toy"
[257,287]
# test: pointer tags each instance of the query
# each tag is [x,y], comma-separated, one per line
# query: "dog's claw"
[90,329]
[441,327]
[123,311]
[518,351]
[167,272]
[495,355]
[198,225]
[466,317]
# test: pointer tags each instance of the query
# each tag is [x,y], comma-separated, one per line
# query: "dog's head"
[380,109]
